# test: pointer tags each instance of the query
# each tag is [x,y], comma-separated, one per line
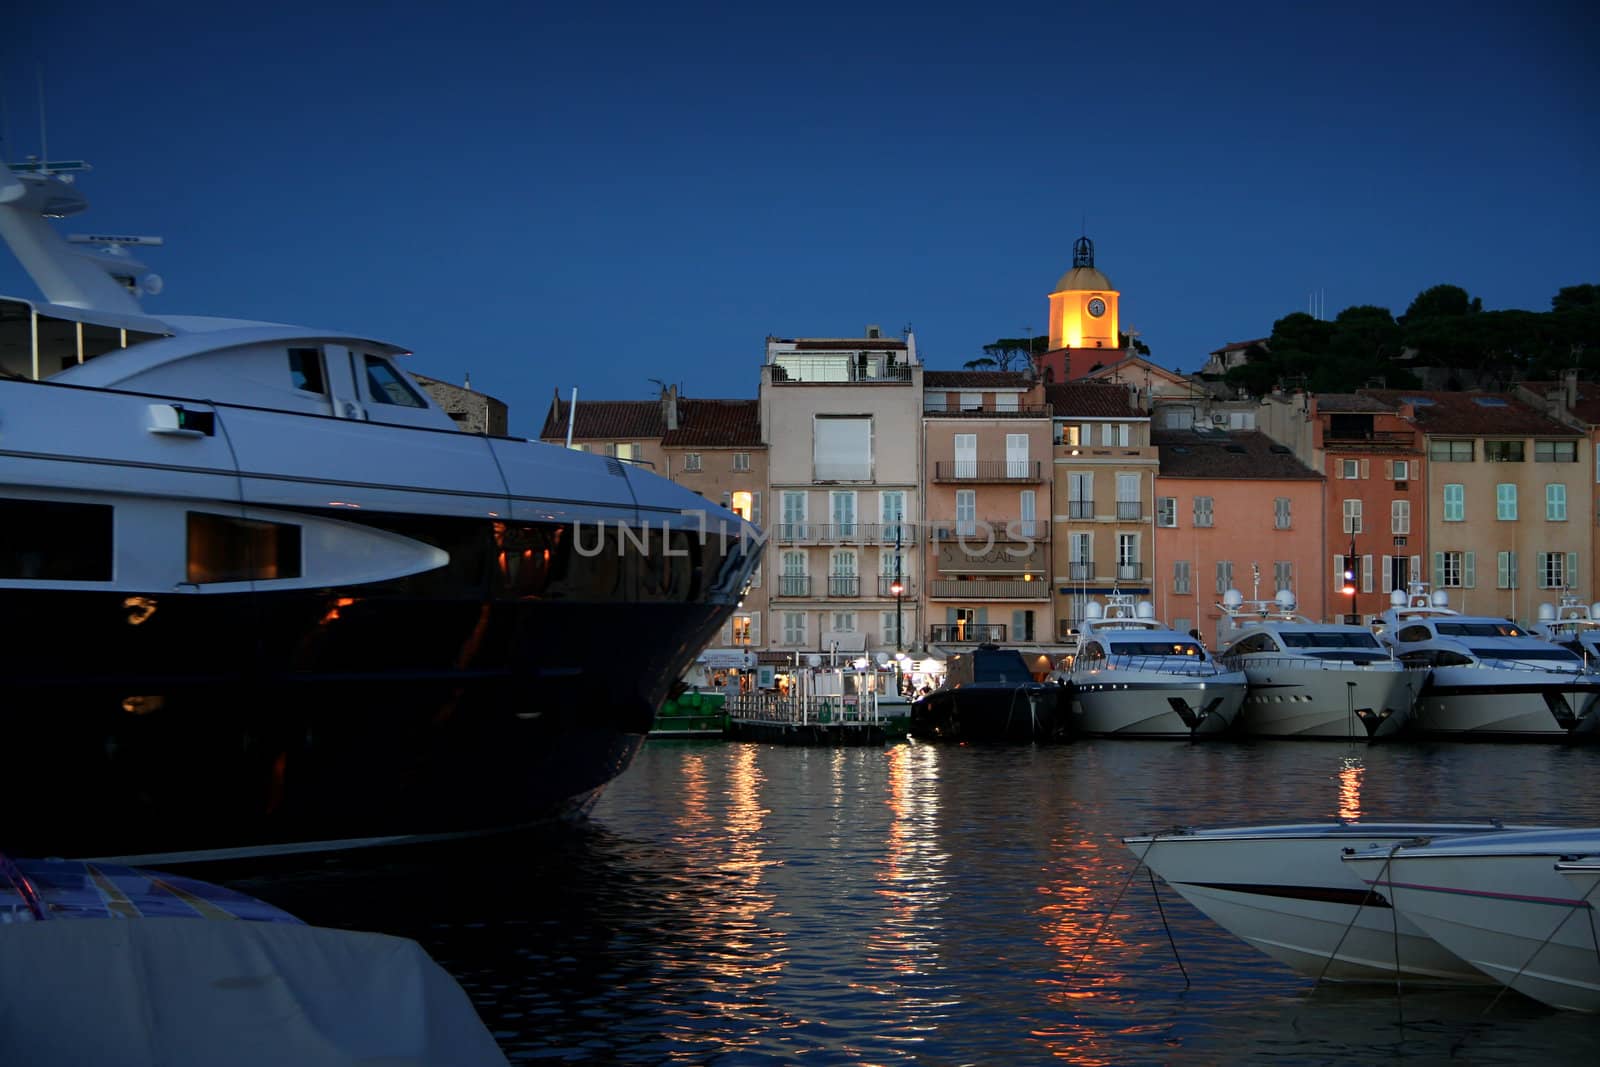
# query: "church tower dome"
[1083,306]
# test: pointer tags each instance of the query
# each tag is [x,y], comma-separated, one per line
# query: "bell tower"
[1083,306]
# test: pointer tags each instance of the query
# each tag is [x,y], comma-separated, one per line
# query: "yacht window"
[386,386]
[46,540]
[227,549]
[1414,633]
[305,370]
[1330,639]
[1436,657]
[1253,643]
[1002,668]
[1553,653]
[1157,648]
[1480,629]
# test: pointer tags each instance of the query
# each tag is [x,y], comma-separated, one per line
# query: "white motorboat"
[1520,907]
[1573,625]
[1132,676]
[1283,889]
[1313,680]
[264,593]
[1489,678]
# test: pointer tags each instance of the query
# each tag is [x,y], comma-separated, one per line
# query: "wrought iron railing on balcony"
[1080,509]
[886,586]
[794,585]
[1040,411]
[987,470]
[1129,509]
[984,589]
[1081,571]
[967,632]
[983,529]
[1127,572]
[855,533]
[844,586]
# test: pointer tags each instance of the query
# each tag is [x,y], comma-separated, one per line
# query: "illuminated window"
[227,549]
[741,505]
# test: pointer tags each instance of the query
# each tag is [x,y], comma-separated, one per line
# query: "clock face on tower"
[1097,307]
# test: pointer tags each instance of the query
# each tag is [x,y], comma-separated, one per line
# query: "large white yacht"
[1573,625]
[263,594]
[1313,680]
[1489,678]
[1133,676]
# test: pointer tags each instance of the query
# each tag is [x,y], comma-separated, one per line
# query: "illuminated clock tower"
[1083,318]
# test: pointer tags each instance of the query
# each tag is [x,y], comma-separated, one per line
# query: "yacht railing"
[1328,663]
[1496,663]
[1160,665]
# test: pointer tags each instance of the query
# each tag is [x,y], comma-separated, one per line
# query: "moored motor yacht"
[1313,680]
[266,595]
[1518,906]
[1573,625]
[1132,676]
[1489,678]
[988,694]
[1284,890]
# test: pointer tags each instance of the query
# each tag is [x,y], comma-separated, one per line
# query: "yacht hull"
[266,722]
[1331,704]
[1029,713]
[1134,707]
[1284,890]
[1524,920]
[1479,703]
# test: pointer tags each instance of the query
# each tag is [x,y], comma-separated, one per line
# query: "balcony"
[983,589]
[981,530]
[1130,510]
[839,369]
[1081,571]
[1043,411]
[1129,572]
[967,632]
[842,585]
[1080,509]
[845,533]
[1374,439]
[886,586]
[987,470]
[794,585]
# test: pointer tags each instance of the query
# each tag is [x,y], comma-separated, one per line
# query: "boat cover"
[181,992]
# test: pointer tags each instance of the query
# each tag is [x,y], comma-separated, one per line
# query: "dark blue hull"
[253,721]
[1000,713]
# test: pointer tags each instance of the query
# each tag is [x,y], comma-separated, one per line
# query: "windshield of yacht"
[1002,669]
[1479,629]
[1156,648]
[1559,655]
[1328,639]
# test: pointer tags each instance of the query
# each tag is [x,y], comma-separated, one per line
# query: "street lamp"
[897,588]
[1349,588]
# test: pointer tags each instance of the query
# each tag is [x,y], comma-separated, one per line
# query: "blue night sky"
[547,196]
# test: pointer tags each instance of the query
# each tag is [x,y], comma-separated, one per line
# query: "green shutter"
[1572,569]
[1438,569]
[1469,570]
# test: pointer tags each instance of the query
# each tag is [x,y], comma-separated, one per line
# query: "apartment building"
[987,464]
[1104,473]
[843,422]
[1576,404]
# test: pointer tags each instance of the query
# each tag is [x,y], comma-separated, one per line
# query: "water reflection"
[935,905]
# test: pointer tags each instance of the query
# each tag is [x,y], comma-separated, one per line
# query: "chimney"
[669,406]
[874,331]
[1569,388]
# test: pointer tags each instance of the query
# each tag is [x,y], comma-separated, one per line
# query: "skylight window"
[1489,401]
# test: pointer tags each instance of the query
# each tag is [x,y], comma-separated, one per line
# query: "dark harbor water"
[740,904]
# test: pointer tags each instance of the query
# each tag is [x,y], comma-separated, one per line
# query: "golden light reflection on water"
[1351,772]
[1091,942]
[749,957]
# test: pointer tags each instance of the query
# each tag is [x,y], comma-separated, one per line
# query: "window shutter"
[1388,470]
[1469,570]
[1438,569]
[1513,556]
[1366,574]
[727,634]
[755,577]
[1388,574]
[1338,574]
[1366,468]
[1338,468]
[1572,569]
[1415,573]
[755,508]
[1502,567]
[1017,627]
[755,628]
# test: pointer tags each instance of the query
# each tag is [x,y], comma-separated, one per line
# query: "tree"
[981,363]
[1442,301]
